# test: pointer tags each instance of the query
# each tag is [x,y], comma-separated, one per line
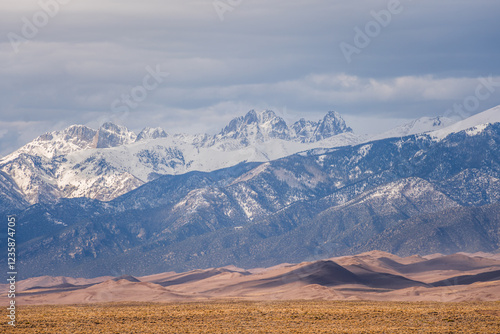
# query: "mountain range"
[111,161]
[259,193]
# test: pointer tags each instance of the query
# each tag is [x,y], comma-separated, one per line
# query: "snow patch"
[484,118]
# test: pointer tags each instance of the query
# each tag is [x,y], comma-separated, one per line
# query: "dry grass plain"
[260,317]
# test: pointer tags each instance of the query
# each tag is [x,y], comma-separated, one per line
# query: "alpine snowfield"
[111,161]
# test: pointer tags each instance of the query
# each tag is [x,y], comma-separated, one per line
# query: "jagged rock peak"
[79,132]
[331,125]
[51,144]
[112,127]
[303,130]
[112,135]
[267,124]
[237,123]
[77,137]
[276,126]
[251,117]
[253,125]
[151,133]
[268,116]
[74,133]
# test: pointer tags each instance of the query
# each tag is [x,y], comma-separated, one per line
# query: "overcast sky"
[378,63]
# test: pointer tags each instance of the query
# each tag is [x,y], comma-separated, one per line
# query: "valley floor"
[260,317]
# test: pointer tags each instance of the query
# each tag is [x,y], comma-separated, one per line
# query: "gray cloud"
[283,55]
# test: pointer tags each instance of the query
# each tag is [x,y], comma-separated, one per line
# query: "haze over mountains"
[259,193]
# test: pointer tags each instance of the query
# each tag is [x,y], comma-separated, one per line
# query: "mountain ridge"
[405,195]
[83,162]
[318,203]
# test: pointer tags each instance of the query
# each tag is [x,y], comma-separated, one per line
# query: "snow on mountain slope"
[49,145]
[10,195]
[421,125]
[151,133]
[419,190]
[112,135]
[85,172]
[477,122]
[76,138]
[440,127]
[110,161]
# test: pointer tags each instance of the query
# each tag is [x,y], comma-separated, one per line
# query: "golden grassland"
[260,317]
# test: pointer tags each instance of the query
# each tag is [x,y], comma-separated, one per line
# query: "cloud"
[279,54]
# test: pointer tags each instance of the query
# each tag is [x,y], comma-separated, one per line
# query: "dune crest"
[368,276]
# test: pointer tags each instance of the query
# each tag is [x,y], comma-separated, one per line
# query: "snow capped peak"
[331,125]
[56,143]
[117,129]
[489,116]
[440,127]
[79,132]
[76,138]
[112,135]
[304,130]
[420,125]
[151,133]
[251,117]
[268,116]
[273,126]
[266,124]
[256,127]
[112,160]
[79,135]
[333,115]
[232,129]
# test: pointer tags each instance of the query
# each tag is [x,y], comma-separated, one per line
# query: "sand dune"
[368,276]
[489,276]
[196,275]
[458,262]
[50,282]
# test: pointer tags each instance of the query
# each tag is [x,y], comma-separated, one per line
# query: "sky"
[193,65]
